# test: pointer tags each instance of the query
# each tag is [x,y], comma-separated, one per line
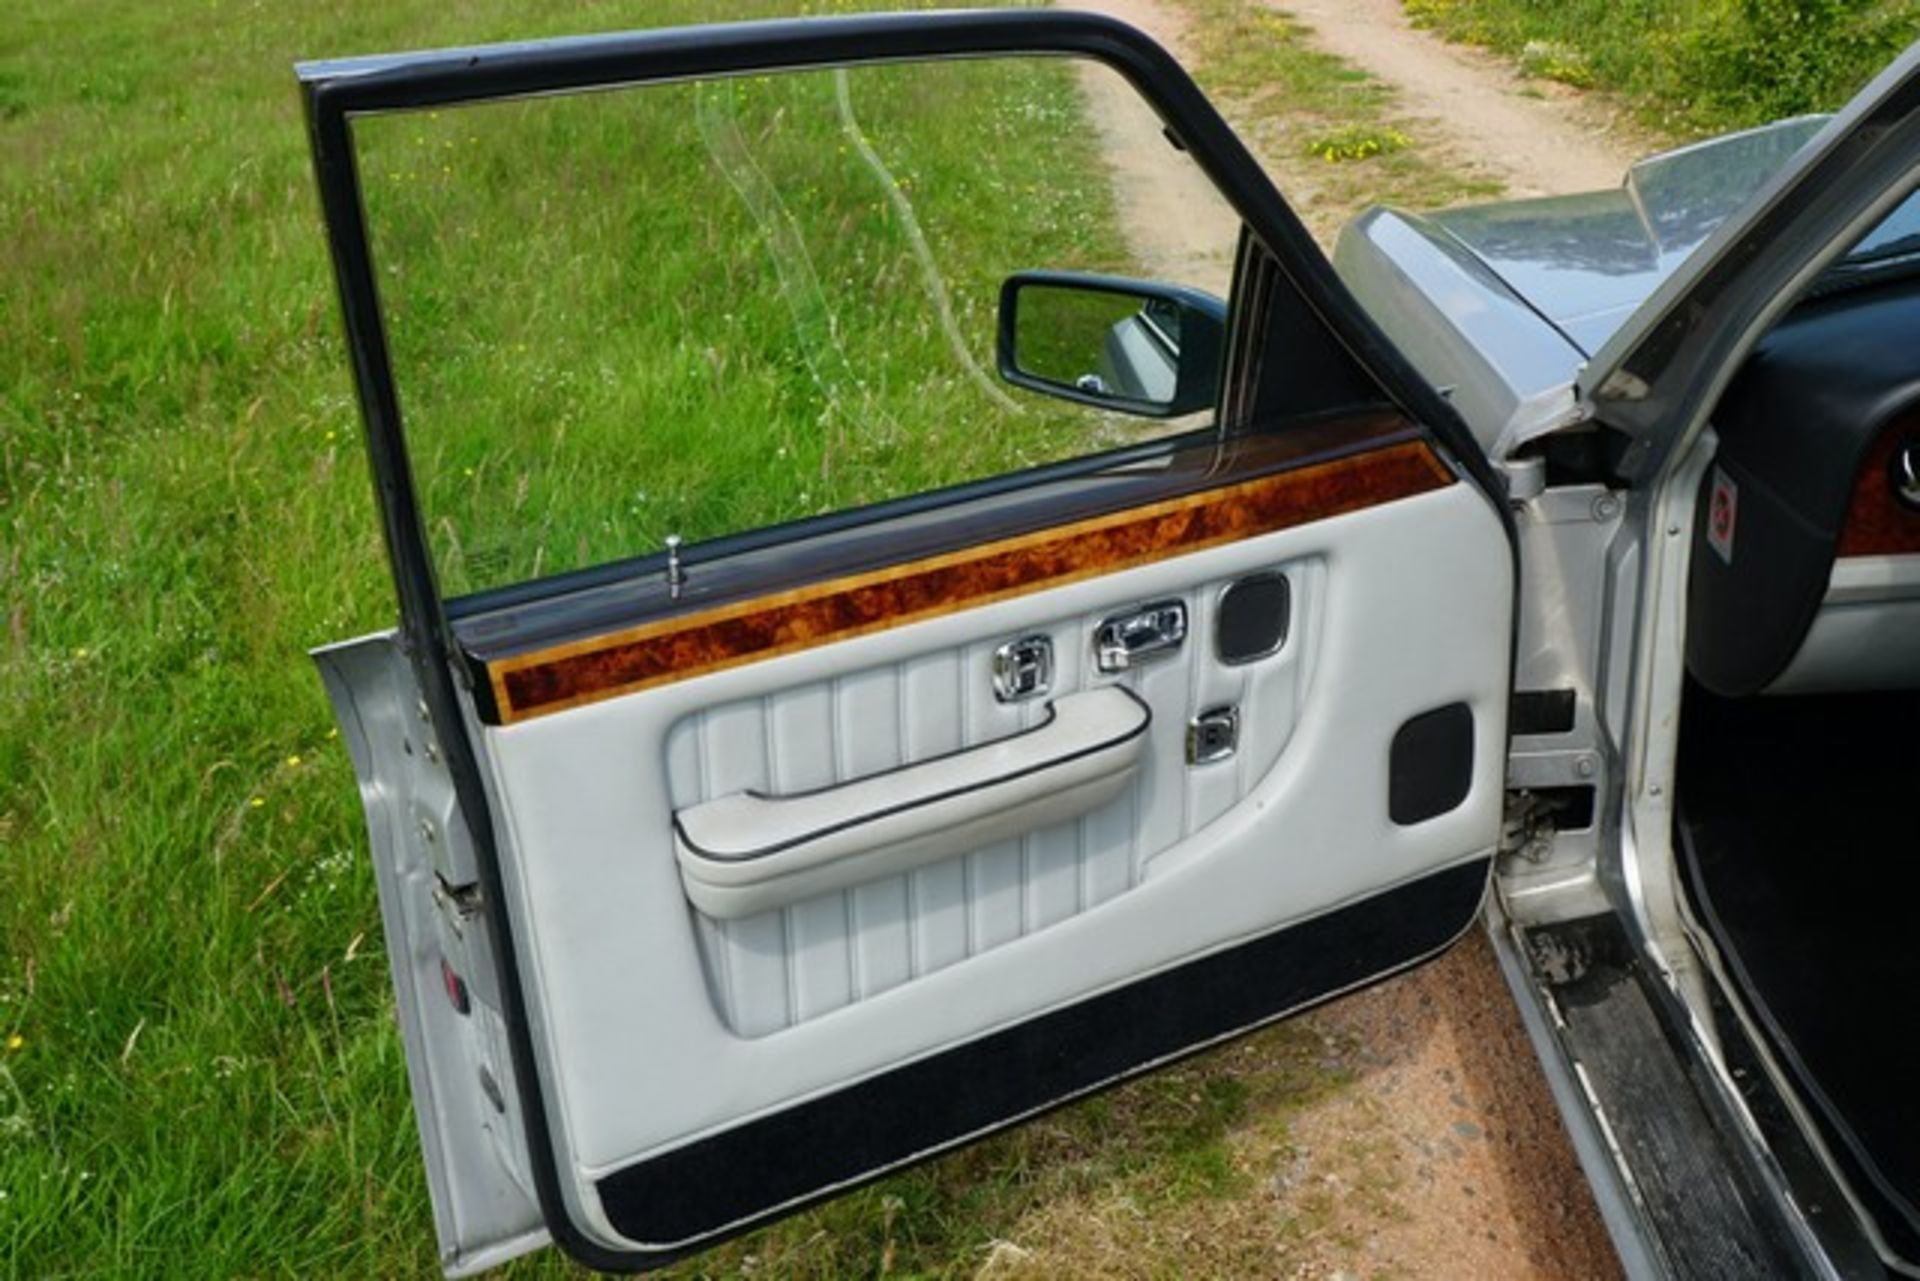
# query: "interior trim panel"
[673,649]
[1015,874]
[753,564]
[678,1027]
[826,1145]
[1815,435]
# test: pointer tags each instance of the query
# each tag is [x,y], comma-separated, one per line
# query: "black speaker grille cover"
[1430,769]
[1253,618]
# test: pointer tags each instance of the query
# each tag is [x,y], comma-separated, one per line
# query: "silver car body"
[1630,309]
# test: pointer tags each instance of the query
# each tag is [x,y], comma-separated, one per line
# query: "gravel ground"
[1447,1083]
[1537,137]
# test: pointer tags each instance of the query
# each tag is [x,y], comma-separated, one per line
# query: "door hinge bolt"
[428,832]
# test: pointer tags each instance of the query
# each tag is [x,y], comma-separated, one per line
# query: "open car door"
[719,877]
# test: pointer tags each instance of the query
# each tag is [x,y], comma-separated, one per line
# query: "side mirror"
[1132,346]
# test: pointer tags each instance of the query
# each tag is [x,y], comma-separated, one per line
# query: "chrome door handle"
[1127,640]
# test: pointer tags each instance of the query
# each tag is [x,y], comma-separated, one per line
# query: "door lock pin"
[676,575]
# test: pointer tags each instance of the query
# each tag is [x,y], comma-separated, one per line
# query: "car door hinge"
[1526,478]
[1527,828]
[461,903]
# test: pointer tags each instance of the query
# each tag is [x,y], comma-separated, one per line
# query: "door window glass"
[700,308]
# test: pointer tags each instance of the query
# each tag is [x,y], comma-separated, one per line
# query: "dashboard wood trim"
[1877,524]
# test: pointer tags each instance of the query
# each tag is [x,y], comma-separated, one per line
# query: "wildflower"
[257,802]
[293,762]
[15,1041]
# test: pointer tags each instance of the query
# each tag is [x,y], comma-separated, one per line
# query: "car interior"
[1803,684]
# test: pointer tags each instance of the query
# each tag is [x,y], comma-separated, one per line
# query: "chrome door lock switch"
[1213,735]
[1023,669]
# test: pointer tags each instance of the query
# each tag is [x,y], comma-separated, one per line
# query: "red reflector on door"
[456,987]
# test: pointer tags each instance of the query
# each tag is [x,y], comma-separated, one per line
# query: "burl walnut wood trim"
[1877,524]
[586,671]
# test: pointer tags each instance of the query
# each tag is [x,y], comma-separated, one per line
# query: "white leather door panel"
[773,969]
[729,1022]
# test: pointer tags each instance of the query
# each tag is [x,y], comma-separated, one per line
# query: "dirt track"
[1445,1118]
[1544,141]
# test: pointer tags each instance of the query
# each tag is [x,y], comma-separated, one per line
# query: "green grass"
[698,309]
[1691,67]
[199,1073]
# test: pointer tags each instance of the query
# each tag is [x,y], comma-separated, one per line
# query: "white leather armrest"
[746,852]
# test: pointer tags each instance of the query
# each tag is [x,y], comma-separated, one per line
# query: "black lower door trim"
[732,1181]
